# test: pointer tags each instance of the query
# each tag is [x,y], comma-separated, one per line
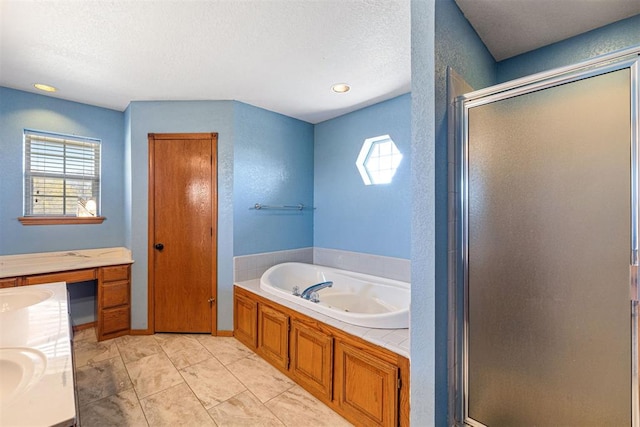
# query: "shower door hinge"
[633,282]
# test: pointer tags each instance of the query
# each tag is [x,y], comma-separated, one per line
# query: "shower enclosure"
[547,249]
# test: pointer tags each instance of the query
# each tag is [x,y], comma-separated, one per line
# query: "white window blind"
[61,175]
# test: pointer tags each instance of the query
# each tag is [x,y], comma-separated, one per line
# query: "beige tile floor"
[184,379]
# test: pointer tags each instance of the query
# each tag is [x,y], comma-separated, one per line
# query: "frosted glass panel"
[549,241]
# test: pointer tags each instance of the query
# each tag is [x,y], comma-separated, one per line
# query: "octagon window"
[378,160]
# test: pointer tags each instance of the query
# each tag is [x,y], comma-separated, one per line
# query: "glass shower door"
[548,334]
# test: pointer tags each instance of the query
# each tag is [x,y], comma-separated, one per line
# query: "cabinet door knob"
[159,246]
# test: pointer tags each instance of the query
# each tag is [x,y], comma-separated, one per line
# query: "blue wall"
[619,35]
[273,162]
[349,215]
[423,351]
[176,117]
[441,38]
[457,46]
[22,110]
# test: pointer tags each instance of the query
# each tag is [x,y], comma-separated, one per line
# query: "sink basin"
[16,298]
[19,369]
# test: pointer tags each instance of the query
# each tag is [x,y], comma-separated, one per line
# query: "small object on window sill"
[60,220]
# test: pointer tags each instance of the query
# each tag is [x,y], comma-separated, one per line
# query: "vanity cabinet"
[245,321]
[273,336]
[366,384]
[113,296]
[114,309]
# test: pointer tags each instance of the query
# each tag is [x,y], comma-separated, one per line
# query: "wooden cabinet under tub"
[365,383]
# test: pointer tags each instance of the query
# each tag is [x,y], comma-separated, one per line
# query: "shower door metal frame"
[623,59]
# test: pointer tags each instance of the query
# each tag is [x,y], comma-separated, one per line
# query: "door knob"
[159,246]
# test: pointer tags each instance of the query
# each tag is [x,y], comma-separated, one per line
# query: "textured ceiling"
[281,55]
[512,27]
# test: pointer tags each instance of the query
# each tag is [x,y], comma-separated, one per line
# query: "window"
[61,179]
[378,160]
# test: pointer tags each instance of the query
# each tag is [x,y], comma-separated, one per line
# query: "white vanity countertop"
[42,332]
[396,340]
[50,262]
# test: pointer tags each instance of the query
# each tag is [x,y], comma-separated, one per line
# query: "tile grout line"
[144,414]
[184,379]
[247,389]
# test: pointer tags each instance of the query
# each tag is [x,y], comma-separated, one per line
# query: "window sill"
[60,220]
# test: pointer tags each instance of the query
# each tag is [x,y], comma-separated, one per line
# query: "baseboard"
[89,325]
[150,332]
[140,332]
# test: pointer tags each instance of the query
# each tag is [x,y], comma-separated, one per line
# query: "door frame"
[152,137]
[458,212]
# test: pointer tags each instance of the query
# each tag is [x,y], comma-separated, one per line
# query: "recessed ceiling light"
[341,88]
[44,87]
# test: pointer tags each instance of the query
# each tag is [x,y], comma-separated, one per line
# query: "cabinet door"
[312,358]
[366,387]
[245,321]
[273,336]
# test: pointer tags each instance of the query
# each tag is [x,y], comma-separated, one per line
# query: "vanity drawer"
[8,282]
[118,272]
[115,319]
[115,294]
[64,276]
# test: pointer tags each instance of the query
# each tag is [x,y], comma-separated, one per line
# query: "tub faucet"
[306,294]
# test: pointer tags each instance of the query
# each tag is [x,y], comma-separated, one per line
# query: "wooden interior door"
[182,232]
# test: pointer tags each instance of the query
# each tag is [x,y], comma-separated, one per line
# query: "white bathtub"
[355,298]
